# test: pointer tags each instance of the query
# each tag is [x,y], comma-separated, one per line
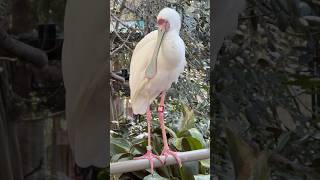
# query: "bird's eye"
[161,21]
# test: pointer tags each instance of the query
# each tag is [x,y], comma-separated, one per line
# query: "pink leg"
[166,150]
[149,155]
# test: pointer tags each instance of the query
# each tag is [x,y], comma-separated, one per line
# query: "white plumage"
[170,64]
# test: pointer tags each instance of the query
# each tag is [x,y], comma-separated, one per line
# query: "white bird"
[157,61]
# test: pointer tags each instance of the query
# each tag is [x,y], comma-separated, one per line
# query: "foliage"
[3,9]
[188,129]
[186,139]
[264,81]
[46,12]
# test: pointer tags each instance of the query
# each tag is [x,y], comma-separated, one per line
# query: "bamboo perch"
[136,165]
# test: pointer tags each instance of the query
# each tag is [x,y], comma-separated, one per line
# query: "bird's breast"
[172,53]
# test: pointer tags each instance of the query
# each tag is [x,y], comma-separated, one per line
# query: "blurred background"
[266,89]
[33,137]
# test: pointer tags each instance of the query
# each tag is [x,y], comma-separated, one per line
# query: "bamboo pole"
[136,165]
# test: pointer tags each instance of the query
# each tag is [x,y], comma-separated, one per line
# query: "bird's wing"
[183,61]
[141,56]
[152,36]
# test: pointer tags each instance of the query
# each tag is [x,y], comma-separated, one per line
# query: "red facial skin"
[163,24]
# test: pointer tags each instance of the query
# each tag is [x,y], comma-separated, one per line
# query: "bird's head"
[169,20]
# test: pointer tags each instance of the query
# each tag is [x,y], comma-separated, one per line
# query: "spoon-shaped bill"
[152,67]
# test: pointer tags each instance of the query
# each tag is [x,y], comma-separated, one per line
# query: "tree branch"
[117,77]
[23,51]
[2,58]
[123,44]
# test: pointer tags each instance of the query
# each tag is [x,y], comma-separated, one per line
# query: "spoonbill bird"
[157,61]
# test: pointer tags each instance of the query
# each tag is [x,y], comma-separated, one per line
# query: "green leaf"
[283,140]
[260,169]
[136,148]
[247,166]
[197,135]
[139,174]
[194,133]
[188,170]
[187,121]
[286,118]
[119,145]
[304,81]
[178,143]
[138,141]
[241,155]
[116,157]
[166,171]
[205,163]
[193,144]
[204,166]
[102,175]
[155,176]
[171,132]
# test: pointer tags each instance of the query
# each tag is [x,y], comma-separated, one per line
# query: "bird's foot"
[149,155]
[166,152]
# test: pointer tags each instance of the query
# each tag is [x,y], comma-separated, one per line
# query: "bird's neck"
[173,32]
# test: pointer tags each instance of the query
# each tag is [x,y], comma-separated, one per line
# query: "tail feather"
[140,105]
